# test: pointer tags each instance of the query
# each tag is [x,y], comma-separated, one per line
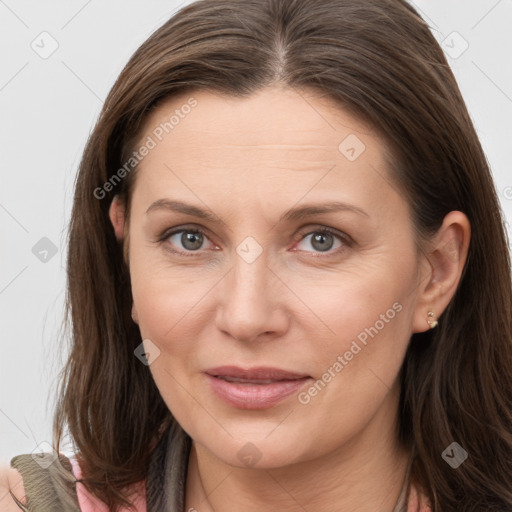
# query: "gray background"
[48,106]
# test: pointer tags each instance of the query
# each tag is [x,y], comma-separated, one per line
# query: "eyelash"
[344,238]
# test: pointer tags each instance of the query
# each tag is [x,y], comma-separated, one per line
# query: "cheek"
[368,335]
[360,304]
[167,317]
[367,315]
[167,303]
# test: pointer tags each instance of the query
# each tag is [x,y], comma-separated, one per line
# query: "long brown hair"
[379,60]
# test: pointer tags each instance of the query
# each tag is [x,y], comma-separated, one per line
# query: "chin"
[258,446]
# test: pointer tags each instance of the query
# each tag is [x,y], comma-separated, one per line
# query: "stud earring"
[431,321]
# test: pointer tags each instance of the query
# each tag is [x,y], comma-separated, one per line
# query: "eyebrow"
[294,214]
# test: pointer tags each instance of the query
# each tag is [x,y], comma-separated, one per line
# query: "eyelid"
[324,229]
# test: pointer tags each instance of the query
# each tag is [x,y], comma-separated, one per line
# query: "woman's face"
[260,288]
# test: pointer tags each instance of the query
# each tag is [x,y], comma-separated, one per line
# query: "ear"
[445,258]
[116,213]
[135,315]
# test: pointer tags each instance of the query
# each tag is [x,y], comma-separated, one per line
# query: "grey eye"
[321,241]
[190,240]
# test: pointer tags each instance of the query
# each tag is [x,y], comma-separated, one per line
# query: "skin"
[294,307]
[10,479]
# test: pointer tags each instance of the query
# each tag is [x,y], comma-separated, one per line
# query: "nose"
[251,302]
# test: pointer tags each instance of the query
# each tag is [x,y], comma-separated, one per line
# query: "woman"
[289,282]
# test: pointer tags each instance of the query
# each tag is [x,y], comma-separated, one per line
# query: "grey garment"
[52,487]
[165,484]
[403,499]
[49,484]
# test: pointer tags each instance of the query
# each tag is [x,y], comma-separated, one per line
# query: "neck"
[366,473]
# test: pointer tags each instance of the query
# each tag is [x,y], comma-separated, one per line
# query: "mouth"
[254,388]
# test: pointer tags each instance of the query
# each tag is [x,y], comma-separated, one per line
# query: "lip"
[254,388]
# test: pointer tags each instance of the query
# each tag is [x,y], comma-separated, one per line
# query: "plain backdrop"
[58,62]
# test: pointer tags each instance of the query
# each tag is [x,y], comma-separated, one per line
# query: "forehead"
[275,128]
[272,116]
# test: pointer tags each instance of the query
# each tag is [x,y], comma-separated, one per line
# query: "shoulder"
[12,490]
[90,503]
